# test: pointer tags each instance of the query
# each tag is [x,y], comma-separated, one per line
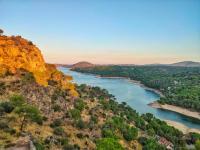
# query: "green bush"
[7,107]
[56,123]
[63,141]
[38,145]
[58,131]
[106,133]
[75,113]
[130,133]
[94,119]
[108,144]
[79,104]
[17,100]
[80,124]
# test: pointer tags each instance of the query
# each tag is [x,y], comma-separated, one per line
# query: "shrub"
[56,123]
[79,104]
[3,125]
[63,141]
[28,77]
[75,113]
[58,131]
[94,119]
[108,144]
[38,145]
[130,133]
[17,100]
[80,124]
[7,107]
[106,133]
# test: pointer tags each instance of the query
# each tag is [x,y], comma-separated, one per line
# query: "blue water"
[134,95]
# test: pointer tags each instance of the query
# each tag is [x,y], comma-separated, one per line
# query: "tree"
[17,100]
[27,112]
[108,144]
[1,31]
[130,133]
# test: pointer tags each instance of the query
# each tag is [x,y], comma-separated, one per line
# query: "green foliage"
[156,126]
[195,137]
[79,104]
[7,107]
[197,145]
[117,123]
[17,100]
[151,144]
[130,133]
[75,113]
[63,141]
[107,133]
[38,145]
[28,112]
[151,132]
[58,131]
[94,119]
[180,85]
[80,124]
[56,123]
[108,144]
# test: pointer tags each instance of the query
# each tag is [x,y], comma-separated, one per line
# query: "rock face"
[82,64]
[19,53]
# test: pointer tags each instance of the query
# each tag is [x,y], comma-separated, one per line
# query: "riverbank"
[176,109]
[181,127]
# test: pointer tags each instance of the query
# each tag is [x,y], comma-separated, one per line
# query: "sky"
[107,31]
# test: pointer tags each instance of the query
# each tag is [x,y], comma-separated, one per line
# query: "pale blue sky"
[107,31]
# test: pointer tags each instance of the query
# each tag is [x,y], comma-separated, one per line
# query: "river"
[133,94]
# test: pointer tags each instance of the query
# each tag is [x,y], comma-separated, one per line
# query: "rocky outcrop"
[19,53]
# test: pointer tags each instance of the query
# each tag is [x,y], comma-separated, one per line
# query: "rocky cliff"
[18,53]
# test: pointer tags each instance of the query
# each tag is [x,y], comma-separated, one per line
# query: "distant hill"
[82,64]
[186,64]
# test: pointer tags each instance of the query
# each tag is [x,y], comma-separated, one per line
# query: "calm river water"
[134,95]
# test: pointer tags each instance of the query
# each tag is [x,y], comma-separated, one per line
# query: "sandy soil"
[177,109]
[181,127]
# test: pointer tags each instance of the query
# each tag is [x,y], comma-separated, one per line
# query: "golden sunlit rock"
[19,53]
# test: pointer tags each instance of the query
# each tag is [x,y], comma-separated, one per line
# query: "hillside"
[40,108]
[82,64]
[186,64]
[18,53]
